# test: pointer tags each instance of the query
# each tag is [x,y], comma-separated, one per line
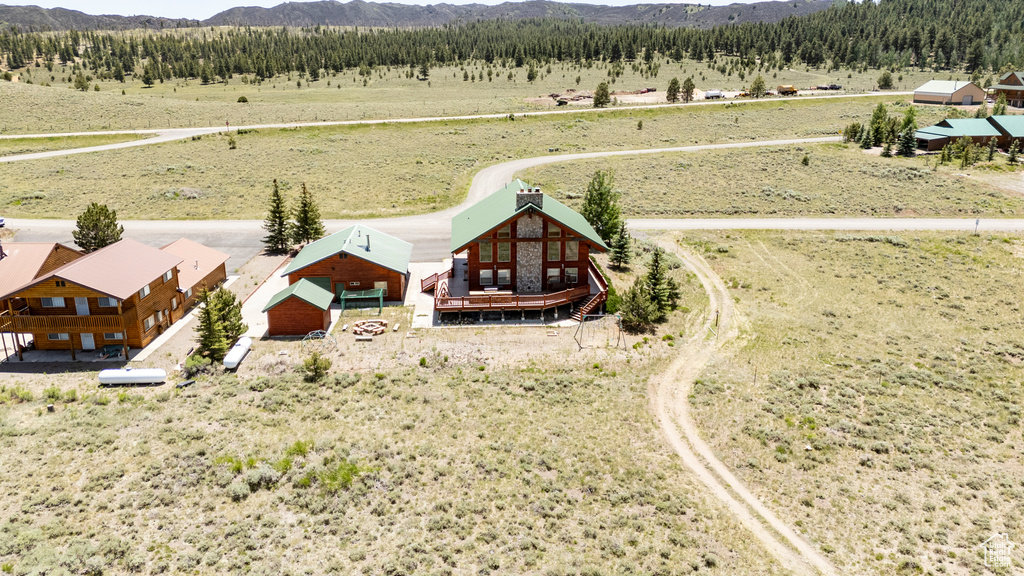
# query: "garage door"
[322,282]
[968,100]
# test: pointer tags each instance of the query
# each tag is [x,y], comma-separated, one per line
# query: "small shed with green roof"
[521,240]
[299,309]
[355,259]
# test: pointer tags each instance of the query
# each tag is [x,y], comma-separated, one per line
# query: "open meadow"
[391,169]
[51,104]
[873,397]
[837,180]
[454,452]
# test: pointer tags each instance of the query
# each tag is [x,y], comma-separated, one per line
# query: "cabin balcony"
[452,294]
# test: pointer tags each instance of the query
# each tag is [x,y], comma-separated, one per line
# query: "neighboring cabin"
[357,258]
[955,92]
[202,268]
[123,295]
[1010,85]
[1003,129]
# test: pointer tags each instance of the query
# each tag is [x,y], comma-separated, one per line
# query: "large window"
[486,251]
[149,322]
[572,250]
[52,302]
[505,232]
[554,251]
[504,277]
[168,275]
[62,336]
[382,286]
[113,336]
[572,275]
[144,292]
[105,302]
[486,277]
[504,251]
[554,231]
[554,275]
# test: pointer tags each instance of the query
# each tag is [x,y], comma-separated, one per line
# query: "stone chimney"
[529,196]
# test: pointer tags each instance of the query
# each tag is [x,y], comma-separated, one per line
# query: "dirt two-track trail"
[670,393]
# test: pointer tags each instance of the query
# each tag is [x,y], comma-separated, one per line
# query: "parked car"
[834,87]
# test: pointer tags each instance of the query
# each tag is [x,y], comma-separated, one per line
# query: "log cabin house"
[1011,85]
[517,250]
[202,268]
[123,295]
[21,263]
[299,309]
[355,259]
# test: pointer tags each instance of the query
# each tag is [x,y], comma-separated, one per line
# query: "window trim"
[507,273]
[575,273]
[143,292]
[111,336]
[168,275]
[554,231]
[557,274]
[106,302]
[378,285]
[60,337]
[52,299]
[149,323]
[490,277]
[505,231]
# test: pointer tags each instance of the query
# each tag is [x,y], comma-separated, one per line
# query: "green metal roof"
[499,207]
[359,241]
[303,290]
[957,127]
[1006,87]
[1013,125]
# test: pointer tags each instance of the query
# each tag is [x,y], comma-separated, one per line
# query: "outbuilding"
[956,92]
[1010,86]
[299,309]
[357,258]
[936,137]
[1011,129]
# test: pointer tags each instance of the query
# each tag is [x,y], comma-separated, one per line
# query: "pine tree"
[1014,150]
[621,248]
[672,94]
[688,88]
[999,108]
[991,153]
[663,289]
[908,144]
[637,311]
[757,87]
[97,227]
[227,311]
[601,96]
[601,205]
[212,342]
[308,226]
[278,238]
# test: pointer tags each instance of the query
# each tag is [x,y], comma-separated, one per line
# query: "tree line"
[967,35]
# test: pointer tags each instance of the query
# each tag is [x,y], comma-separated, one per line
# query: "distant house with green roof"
[1010,128]
[357,258]
[936,137]
[522,241]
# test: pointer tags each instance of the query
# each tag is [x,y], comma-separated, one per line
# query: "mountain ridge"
[384,14]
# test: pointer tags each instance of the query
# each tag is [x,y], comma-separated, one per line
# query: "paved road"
[170,134]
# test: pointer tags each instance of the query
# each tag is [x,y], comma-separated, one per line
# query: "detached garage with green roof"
[299,309]
[355,259]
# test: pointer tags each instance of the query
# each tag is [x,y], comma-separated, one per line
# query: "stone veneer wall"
[529,255]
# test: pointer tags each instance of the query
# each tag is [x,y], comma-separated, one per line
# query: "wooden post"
[71,343]
[17,345]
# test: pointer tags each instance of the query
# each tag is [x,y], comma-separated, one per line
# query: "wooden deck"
[445,302]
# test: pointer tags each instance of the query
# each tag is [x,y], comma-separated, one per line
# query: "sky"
[202,9]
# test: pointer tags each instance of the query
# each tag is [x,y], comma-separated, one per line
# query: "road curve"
[171,134]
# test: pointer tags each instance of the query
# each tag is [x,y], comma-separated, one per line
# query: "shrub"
[242,99]
[316,367]
[52,393]
[238,491]
[196,365]
[262,476]
[300,448]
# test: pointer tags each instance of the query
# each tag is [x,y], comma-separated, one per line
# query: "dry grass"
[874,398]
[388,94]
[12,146]
[465,464]
[380,170]
[839,180]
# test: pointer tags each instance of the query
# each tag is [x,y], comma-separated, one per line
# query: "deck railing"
[510,301]
[432,280]
[54,324]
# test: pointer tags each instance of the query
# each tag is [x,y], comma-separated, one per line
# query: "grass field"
[31,108]
[12,146]
[441,454]
[874,400]
[838,180]
[383,170]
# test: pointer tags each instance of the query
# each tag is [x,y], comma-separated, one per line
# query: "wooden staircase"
[596,299]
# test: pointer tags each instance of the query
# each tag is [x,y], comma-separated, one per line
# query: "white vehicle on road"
[2,223]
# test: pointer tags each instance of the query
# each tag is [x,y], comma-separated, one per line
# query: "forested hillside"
[971,35]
